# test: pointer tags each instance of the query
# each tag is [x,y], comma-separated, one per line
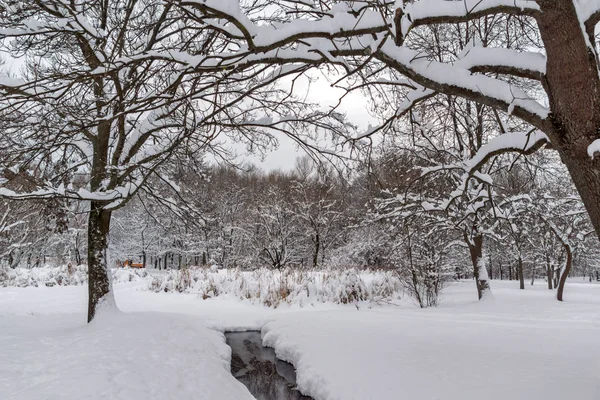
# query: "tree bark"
[77,253]
[520,273]
[479,271]
[573,88]
[565,273]
[98,278]
[549,272]
[316,253]
[501,273]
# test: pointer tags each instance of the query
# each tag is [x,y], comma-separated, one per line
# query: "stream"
[257,367]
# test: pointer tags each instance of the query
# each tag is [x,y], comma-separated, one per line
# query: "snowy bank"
[119,356]
[523,345]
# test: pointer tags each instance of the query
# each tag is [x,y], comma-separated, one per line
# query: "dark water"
[256,366]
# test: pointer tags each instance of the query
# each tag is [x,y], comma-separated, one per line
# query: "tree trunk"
[549,272]
[77,253]
[573,88]
[565,273]
[520,273]
[316,253]
[479,270]
[99,286]
[501,273]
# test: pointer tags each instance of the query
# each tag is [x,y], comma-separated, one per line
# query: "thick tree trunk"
[479,270]
[573,88]
[564,273]
[99,285]
[520,272]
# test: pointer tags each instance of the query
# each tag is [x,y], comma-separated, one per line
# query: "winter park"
[299,199]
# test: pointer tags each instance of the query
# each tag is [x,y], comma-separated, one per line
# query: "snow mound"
[481,352]
[118,356]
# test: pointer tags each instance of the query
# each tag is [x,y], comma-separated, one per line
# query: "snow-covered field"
[518,345]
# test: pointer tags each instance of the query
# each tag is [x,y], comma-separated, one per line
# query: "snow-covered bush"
[44,276]
[265,286]
[60,276]
[273,288]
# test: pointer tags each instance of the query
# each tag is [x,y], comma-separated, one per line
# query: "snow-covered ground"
[518,345]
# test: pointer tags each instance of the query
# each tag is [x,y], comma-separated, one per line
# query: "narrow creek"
[257,367]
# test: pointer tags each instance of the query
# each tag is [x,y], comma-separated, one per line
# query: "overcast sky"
[355,106]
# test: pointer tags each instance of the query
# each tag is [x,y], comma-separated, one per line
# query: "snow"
[410,63]
[486,56]
[520,345]
[586,9]
[118,356]
[439,8]
[512,141]
[593,148]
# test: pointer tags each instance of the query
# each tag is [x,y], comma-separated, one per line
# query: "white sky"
[320,91]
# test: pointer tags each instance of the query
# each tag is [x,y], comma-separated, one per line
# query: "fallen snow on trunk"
[118,356]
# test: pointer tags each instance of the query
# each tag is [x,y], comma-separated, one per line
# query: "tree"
[564,72]
[318,207]
[112,89]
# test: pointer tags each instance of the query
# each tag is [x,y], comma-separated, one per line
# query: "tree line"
[377,215]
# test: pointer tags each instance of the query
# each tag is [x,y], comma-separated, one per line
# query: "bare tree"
[111,89]
[564,72]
